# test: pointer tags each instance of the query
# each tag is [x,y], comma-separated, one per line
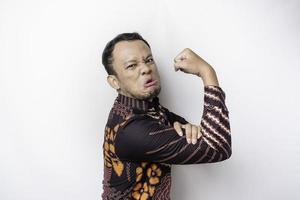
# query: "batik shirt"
[140,145]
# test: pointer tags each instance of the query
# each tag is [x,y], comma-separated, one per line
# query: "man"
[143,138]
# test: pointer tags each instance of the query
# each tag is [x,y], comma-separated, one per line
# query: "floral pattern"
[140,191]
[146,189]
[110,158]
[153,174]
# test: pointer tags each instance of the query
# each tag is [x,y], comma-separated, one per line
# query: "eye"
[132,65]
[150,60]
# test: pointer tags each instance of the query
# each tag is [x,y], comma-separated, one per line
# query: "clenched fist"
[189,62]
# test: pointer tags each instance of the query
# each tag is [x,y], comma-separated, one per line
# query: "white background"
[54,98]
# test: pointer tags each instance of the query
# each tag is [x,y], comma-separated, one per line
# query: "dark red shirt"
[140,145]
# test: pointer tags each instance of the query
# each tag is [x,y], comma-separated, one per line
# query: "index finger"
[177,127]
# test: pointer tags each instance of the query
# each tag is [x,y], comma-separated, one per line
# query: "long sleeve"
[173,117]
[142,138]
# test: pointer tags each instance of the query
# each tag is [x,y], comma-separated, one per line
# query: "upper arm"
[143,138]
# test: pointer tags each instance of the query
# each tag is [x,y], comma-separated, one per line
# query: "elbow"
[227,150]
[224,153]
[227,155]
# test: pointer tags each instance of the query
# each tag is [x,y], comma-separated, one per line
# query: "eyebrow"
[134,59]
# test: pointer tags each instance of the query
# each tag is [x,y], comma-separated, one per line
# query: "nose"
[145,69]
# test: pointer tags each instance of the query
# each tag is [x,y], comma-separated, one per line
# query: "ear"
[113,81]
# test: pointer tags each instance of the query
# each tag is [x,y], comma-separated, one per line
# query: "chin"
[149,94]
[153,93]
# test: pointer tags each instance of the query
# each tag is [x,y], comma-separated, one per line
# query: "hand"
[189,62]
[192,132]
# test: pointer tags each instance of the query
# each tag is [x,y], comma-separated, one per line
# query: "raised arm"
[143,138]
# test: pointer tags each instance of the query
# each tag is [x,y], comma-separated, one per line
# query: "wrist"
[204,70]
[210,77]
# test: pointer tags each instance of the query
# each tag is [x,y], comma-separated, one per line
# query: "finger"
[188,132]
[177,127]
[176,68]
[181,56]
[179,66]
[194,134]
[199,132]
[179,59]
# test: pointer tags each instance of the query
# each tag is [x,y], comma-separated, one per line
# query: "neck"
[138,104]
[151,99]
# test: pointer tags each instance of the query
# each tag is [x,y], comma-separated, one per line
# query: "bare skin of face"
[135,66]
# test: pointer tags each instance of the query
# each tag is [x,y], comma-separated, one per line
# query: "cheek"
[132,83]
[156,72]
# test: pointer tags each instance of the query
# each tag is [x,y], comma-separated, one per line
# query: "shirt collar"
[138,104]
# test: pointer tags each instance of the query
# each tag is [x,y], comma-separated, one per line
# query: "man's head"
[130,65]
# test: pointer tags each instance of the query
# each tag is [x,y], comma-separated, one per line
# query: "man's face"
[134,65]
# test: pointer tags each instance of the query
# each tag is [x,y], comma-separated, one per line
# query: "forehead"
[126,50]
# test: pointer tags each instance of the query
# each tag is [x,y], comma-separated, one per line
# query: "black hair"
[107,57]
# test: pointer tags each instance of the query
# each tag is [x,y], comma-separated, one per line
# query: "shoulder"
[137,123]
[137,128]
